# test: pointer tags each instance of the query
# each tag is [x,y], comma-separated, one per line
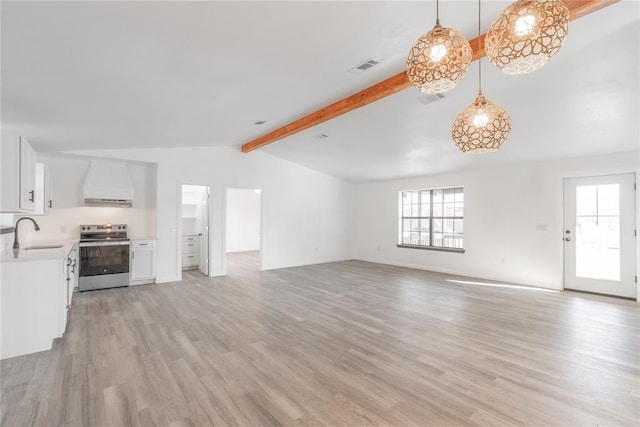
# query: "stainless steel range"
[104,257]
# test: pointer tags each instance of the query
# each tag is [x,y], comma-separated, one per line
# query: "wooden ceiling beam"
[391,85]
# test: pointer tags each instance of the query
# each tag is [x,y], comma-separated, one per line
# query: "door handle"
[50,203]
[567,239]
[32,196]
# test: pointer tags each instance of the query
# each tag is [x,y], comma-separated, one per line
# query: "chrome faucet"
[16,244]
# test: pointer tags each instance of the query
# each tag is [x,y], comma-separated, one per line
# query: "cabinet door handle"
[50,203]
[133,255]
[142,244]
[32,196]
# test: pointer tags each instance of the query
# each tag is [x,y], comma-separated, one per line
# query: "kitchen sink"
[31,248]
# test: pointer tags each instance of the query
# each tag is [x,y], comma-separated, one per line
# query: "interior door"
[600,235]
[203,264]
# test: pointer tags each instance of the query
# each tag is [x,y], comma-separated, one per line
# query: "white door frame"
[178,242]
[636,206]
[224,224]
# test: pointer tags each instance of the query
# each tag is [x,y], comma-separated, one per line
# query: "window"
[432,219]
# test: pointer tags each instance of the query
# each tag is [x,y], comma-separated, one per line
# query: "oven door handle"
[94,244]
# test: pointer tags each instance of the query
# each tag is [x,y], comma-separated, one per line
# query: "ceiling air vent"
[428,98]
[364,66]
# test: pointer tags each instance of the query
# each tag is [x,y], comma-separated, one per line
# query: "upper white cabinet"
[18,173]
[143,262]
[44,199]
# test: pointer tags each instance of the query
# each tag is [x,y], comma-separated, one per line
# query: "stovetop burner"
[106,232]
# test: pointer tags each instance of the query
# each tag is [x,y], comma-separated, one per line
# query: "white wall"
[243,220]
[68,213]
[306,214]
[513,220]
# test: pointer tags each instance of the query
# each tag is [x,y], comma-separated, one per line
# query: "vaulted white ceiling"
[96,75]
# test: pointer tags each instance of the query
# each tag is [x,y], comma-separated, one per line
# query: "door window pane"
[598,232]
[609,199]
[586,200]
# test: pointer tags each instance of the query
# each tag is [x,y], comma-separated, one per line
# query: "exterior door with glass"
[599,235]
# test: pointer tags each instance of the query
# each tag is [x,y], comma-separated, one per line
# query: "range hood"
[108,184]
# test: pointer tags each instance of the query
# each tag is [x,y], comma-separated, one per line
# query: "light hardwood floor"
[348,343]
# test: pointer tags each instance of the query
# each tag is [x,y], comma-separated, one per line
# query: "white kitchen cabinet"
[143,262]
[18,172]
[35,298]
[190,251]
[44,199]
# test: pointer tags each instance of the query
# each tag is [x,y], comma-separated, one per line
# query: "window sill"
[433,248]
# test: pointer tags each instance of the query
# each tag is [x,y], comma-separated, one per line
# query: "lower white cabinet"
[143,262]
[35,300]
[190,251]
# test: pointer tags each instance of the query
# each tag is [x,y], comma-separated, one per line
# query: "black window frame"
[430,218]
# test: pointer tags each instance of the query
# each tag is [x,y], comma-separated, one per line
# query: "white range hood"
[108,184]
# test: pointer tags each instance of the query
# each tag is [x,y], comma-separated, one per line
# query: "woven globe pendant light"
[439,59]
[526,35]
[483,126]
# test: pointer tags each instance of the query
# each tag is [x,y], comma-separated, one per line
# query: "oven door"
[97,259]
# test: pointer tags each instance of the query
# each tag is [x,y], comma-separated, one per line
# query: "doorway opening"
[194,241]
[600,235]
[243,238]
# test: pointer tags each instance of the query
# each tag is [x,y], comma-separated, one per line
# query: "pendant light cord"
[437,12]
[480,45]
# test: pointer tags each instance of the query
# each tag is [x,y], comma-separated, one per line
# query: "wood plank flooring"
[347,343]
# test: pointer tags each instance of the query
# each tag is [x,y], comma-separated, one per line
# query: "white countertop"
[38,254]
